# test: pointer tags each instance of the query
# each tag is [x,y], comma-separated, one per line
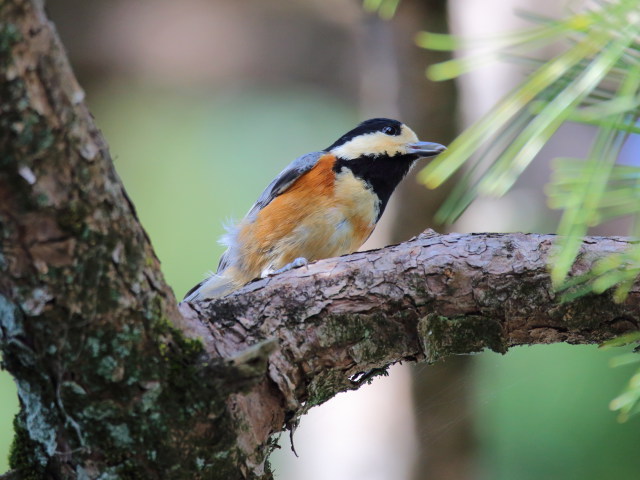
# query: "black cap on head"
[385,125]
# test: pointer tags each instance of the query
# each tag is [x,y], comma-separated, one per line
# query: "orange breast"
[321,215]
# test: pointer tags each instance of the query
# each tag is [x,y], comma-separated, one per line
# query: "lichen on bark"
[107,384]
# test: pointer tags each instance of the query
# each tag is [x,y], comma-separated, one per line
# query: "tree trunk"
[116,382]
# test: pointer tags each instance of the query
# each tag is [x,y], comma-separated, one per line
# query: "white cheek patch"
[376,144]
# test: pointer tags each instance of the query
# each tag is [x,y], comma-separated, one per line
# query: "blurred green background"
[542,414]
[196,153]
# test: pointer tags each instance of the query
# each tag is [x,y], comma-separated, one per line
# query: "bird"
[323,204]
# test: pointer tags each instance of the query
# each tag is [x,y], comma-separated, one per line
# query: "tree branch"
[115,381]
[341,320]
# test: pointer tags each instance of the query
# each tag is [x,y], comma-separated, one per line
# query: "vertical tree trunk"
[442,392]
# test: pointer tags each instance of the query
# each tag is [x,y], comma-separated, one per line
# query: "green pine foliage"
[594,80]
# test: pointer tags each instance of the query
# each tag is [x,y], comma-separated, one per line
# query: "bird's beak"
[425,149]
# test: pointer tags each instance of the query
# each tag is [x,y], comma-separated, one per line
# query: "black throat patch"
[382,173]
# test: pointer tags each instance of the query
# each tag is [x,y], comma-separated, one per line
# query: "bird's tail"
[216,286]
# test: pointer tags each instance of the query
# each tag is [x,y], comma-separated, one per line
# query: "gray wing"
[284,180]
[280,184]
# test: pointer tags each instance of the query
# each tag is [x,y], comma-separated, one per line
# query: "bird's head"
[382,137]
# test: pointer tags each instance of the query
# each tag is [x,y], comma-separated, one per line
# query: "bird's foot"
[297,263]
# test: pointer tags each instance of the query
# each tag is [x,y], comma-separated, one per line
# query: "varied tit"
[324,204]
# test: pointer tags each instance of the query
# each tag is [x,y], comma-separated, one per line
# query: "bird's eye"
[388,130]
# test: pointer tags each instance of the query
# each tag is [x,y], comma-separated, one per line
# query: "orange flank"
[320,215]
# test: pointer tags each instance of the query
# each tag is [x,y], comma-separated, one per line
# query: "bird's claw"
[297,263]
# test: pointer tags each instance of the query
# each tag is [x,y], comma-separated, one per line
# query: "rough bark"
[115,382]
